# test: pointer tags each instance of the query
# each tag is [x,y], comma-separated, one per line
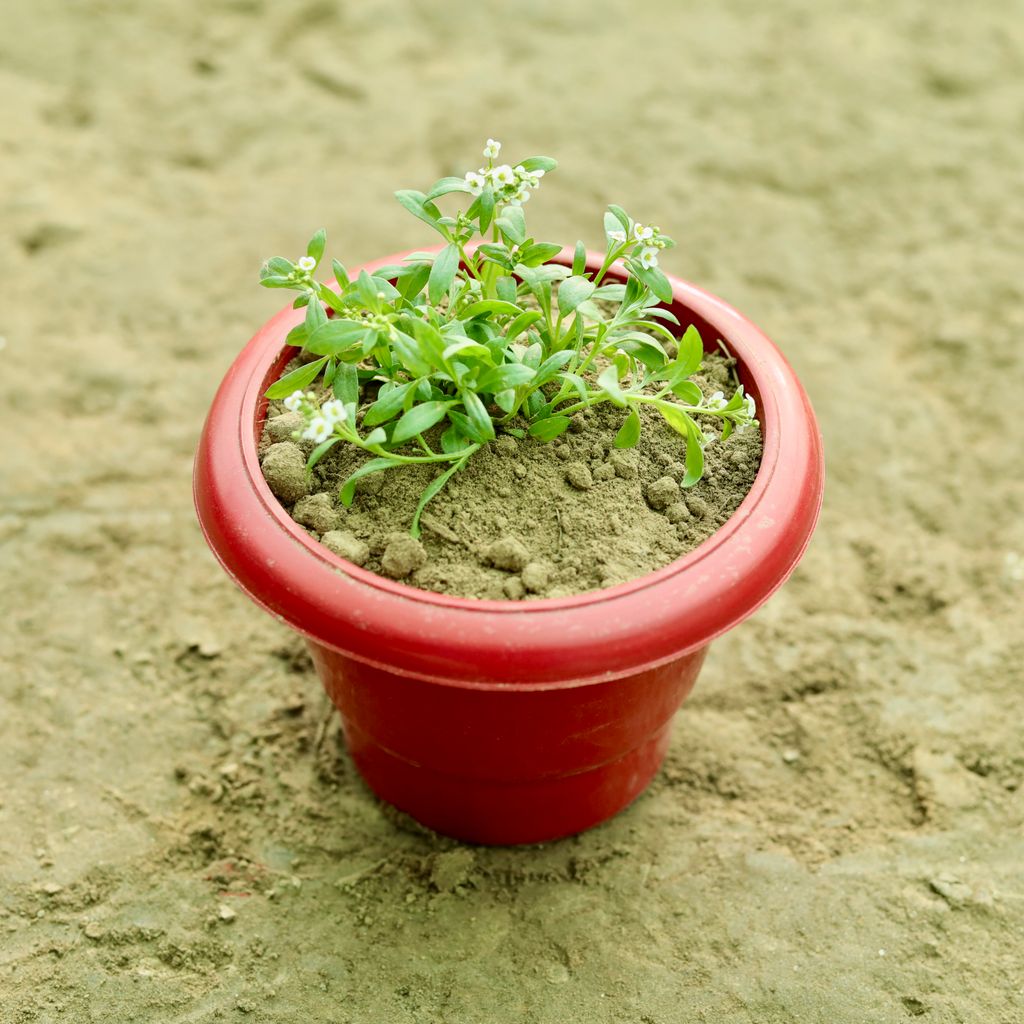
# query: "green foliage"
[470,340]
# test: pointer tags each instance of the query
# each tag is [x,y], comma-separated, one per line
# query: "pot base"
[502,765]
[499,813]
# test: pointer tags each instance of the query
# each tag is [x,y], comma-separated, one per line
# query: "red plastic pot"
[505,721]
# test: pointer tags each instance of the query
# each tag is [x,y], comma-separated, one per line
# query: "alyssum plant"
[492,338]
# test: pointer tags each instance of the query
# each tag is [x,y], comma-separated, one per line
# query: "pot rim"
[713,587]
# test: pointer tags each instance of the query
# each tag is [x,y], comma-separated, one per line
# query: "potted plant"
[544,712]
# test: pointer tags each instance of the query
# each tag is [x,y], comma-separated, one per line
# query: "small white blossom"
[503,176]
[717,401]
[617,236]
[318,429]
[522,196]
[492,149]
[750,407]
[476,181]
[642,232]
[648,257]
[334,411]
[293,403]
[307,263]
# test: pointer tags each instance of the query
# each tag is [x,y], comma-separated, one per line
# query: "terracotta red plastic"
[503,721]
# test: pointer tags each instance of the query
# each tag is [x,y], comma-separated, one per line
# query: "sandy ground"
[837,835]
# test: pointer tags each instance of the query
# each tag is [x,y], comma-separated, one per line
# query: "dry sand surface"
[837,834]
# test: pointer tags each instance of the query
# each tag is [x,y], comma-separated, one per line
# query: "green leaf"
[315,317]
[496,254]
[608,382]
[683,424]
[548,369]
[579,259]
[538,163]
[498,306]
[340,273]
[452,440]
[572,291]
[332,298]
[277,266]
[442,273]
[611,292]
[521,323]
[296,336]
[430,343]
[643,347]
[691,351]
[387,405]
[465,348]
[688,392]
[654,279]
[621,216]
[550,428]
[296,380]
[512,224]
[694,459]
[419,206]
[577,383]
[446,185]
[410,285]
[611,225]
[506,289]
[629,432]
[486,201]
[505,400]
[316,245]
[431,491]
[408,351]
[346,388]
[348,488]
[335,336]
[510,375]
[478,416]
[419,418]
[538,253]
[366,289]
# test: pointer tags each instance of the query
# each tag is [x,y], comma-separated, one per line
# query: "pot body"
[512,721]
[505,766]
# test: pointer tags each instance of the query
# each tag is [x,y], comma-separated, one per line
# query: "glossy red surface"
[503,721]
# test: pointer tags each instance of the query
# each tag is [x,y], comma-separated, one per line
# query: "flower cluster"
[743,415]
[647,241]
[319,420]
[511,185]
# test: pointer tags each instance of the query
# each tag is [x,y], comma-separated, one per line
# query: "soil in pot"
[523,519]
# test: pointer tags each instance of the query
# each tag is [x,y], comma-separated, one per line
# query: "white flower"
[750,407]
[476,181]
[642,232]
[503,176]
[293,403]
[492,149]
[522,196]
[334,411]
[717,401]
[318,429]
[307,263]
[648,257]
[617,236]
